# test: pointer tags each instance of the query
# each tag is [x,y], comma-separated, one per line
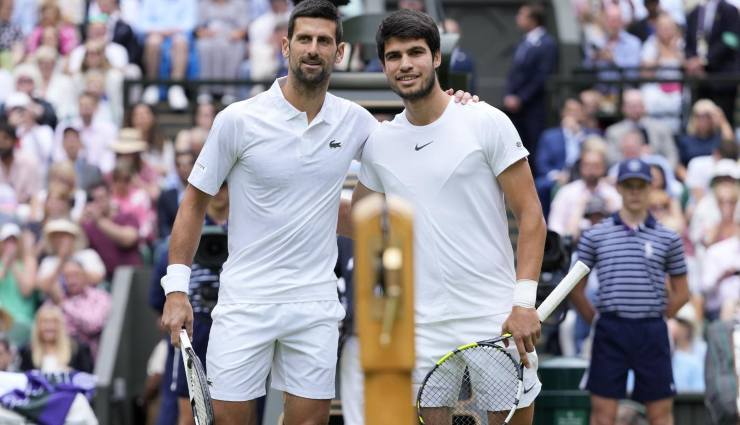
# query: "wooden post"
[385,307]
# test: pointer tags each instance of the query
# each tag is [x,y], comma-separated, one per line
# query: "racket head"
[195,374]
[475,384]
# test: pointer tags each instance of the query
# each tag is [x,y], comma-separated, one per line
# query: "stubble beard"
[309,82]
[426,88]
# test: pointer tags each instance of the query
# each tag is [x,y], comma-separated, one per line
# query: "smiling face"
[312,51]
[410,67]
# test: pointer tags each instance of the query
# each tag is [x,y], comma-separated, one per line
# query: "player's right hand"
[177,314]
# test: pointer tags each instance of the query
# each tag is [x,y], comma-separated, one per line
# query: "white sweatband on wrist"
[525,293]
[177,279]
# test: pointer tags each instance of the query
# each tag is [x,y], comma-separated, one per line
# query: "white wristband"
[177,279]
[525,293]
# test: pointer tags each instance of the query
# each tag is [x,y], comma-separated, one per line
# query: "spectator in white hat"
[63,242]
[35,139]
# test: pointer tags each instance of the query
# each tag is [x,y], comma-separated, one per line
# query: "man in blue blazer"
[558,150]
[534,59]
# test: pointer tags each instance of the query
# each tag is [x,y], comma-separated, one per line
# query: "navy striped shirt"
[631,265]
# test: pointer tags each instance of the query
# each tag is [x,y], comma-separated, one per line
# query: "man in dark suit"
[713,47]
[534,59]
[121,32]
[558,150]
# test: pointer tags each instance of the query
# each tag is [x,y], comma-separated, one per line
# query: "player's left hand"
[524,326]
[462,96]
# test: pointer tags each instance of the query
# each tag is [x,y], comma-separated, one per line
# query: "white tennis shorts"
[434,340]
[296,341]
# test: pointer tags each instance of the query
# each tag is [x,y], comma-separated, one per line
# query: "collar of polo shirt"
[650,221]
[290,112]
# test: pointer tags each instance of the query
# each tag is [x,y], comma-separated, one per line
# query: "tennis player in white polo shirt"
[456,169]
[285,154]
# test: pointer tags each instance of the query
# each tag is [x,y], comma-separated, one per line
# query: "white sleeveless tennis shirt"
[285,177]
[464,263]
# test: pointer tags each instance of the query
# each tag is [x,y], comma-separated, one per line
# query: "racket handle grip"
[562,290]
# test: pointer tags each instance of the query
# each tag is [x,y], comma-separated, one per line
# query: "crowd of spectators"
[87,186]
[686,135]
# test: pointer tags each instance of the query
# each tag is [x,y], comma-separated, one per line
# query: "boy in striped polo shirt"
[632,254]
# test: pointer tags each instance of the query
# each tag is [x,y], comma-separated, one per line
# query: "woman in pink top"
[51,18]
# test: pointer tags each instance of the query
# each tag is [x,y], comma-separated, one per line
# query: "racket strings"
[476,386]
[201,399]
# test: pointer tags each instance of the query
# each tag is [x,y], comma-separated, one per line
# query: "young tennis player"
[459,171]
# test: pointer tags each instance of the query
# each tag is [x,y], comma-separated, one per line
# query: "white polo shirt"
[464,263]
[285,177]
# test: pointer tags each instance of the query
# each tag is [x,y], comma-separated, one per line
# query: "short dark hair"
[7,128]
[323,9]
[536,13]
[408,25]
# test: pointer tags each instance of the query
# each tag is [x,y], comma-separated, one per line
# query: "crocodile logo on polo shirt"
[334,144]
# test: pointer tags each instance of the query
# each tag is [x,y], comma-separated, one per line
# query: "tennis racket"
[200,397]
[481,383]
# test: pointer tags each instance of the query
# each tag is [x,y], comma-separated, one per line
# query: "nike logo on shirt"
[526,390]
[418,148]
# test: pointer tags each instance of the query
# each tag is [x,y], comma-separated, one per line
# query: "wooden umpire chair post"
[385,307]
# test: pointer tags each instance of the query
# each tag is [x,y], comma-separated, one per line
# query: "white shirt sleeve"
[221,151]
[368,173]
[501,142]
[365,125]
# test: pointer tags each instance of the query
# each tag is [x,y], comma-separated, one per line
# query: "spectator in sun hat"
[129,149]
[64,242]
